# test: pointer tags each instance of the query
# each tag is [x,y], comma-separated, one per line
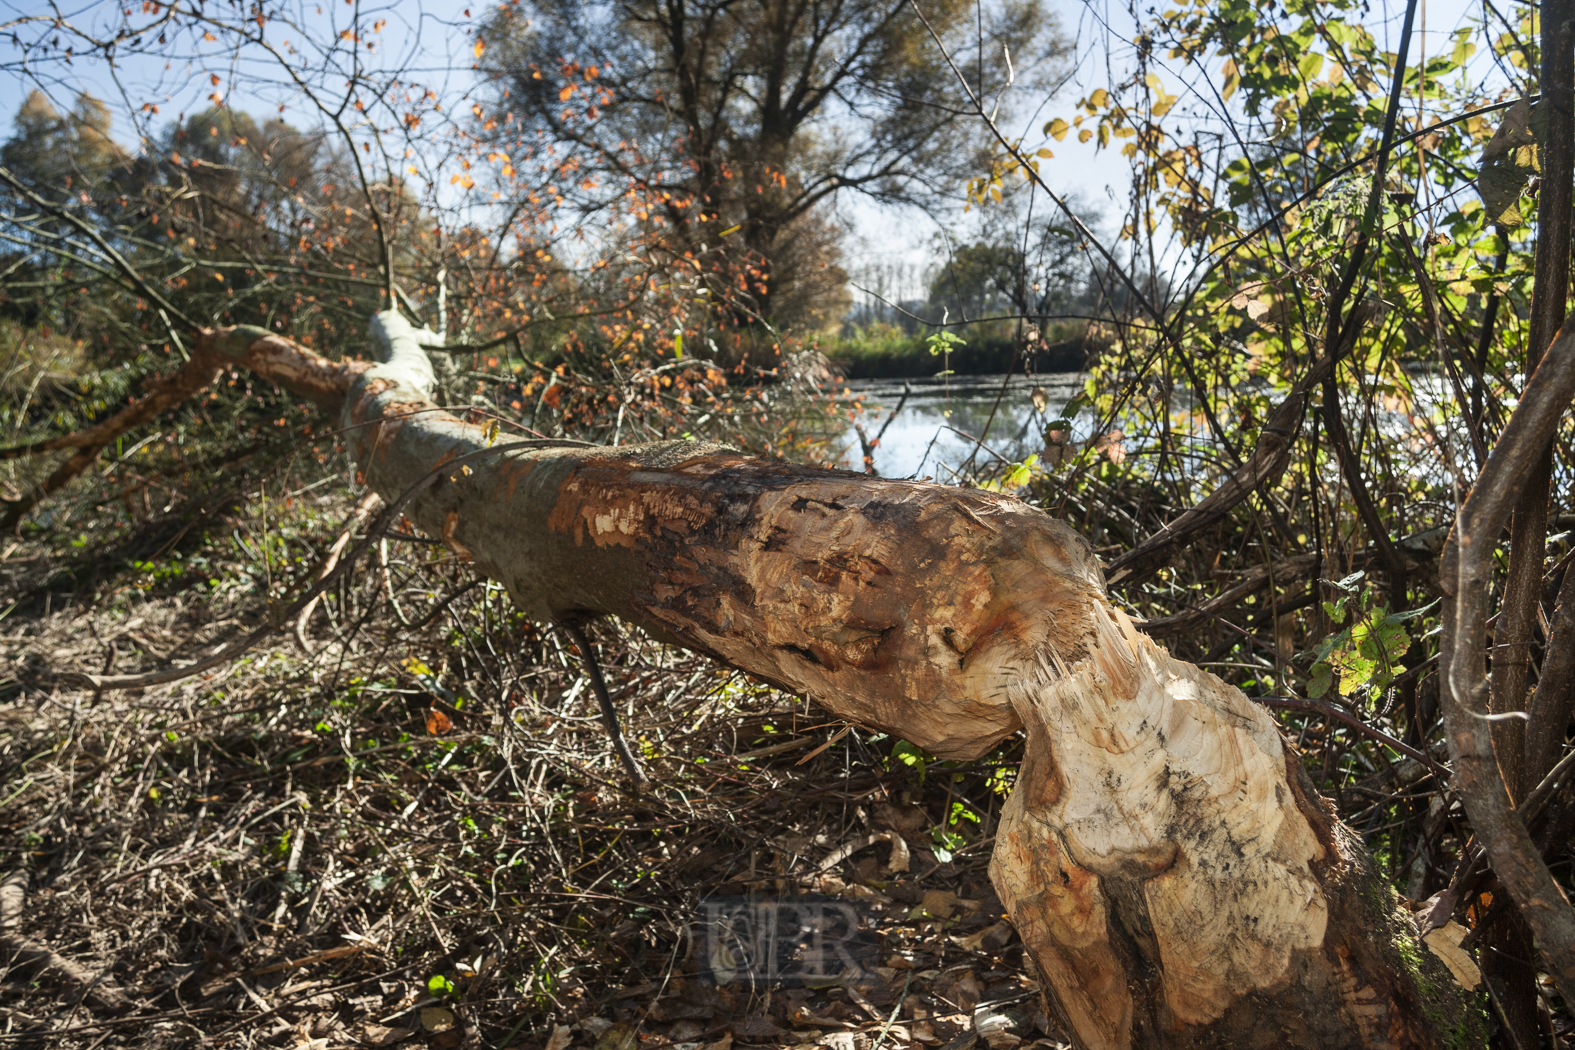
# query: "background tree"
[744,121]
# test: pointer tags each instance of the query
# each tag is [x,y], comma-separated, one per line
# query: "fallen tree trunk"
[1167,862]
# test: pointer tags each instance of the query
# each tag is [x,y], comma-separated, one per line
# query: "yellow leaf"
[1153,82]
[1445,943]
[481,45]
[1044,153]
[995,191]
[1099,99]
[1057,129]
[1084,135]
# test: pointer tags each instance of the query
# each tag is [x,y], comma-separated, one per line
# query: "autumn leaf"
[1509,160]
[481,45]
[1113,445]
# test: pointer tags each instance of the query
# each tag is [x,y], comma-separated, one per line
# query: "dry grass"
[289,851]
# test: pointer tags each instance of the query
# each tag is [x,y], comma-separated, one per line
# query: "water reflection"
[923,439]
[933,435]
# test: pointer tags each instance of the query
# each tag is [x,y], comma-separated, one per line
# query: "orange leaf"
[481,45]
[563,96]
[438,723]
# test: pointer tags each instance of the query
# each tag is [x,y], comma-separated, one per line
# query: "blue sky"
[432,43]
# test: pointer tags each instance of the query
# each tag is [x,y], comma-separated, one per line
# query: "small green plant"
[542,982]
[1001,779]
[943,342]
[1365,655]
[1017,475]
[442,987]
[912,756]
[948,841]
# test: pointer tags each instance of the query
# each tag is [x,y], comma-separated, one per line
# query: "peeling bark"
[1163,855]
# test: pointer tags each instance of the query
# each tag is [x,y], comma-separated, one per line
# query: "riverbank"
[883,352]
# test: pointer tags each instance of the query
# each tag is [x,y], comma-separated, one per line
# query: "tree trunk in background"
[1509,950]
[1170,868]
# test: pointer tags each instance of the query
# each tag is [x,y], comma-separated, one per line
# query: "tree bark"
[1167,862]
[1509,946]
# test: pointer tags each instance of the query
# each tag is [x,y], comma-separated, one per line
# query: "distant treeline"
[986,355]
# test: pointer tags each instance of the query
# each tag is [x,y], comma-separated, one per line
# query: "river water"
[926,439]
[933,434]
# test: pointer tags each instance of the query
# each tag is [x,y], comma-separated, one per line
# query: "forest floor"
[414,832]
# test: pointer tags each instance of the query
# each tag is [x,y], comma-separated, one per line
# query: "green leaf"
[911,755]
[1343,34]
[1411,614]
[942,342]
[1322,678]
[1357,672]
